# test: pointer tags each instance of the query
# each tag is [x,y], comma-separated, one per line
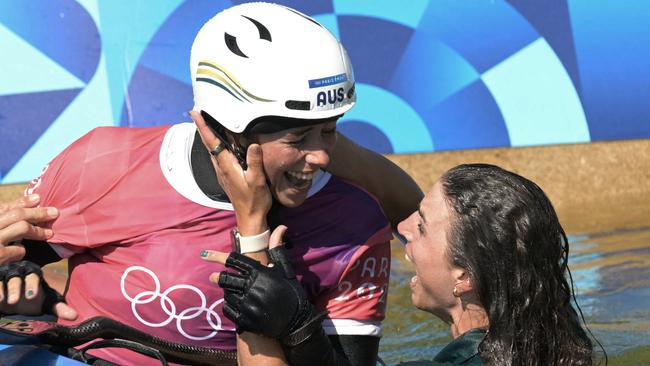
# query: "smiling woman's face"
[293,156]
[426,248]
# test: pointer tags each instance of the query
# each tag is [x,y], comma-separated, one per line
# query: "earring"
[455,292]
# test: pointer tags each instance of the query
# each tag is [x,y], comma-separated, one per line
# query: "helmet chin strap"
[206,178]
[239,150]
[203,171]
[229,139]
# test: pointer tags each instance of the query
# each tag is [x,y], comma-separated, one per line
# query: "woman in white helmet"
[137,206]
[275,82]
[260,69]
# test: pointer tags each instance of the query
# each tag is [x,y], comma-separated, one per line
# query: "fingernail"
[204,253]
[52,211]
[70,315]
[30,294]
[33,197]
[48,233]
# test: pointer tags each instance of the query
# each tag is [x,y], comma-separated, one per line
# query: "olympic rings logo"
[168,306]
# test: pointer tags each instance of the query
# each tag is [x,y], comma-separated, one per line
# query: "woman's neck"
[467,316]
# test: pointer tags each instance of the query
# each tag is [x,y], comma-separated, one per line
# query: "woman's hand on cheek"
[247,190]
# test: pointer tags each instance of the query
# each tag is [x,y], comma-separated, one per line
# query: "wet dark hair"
[505,233]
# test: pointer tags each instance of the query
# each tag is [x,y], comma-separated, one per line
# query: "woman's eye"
[296,142]
[421,228]
[329,132]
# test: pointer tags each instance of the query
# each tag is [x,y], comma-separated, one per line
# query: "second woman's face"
[292,157]
[426,248]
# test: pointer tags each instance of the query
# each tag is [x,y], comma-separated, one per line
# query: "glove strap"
[52,297]
[303,333]
[309,346]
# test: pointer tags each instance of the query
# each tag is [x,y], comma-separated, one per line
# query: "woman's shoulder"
[462,350]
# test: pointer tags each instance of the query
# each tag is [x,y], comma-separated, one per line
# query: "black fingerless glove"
[24,268]
[270,301]
[19,269]
[264,300]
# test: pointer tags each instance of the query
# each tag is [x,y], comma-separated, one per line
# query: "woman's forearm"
[398,194]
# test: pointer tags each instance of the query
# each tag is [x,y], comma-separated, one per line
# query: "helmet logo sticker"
[330,80]
[331,96]
[264,32]
[211,73]
[231,41]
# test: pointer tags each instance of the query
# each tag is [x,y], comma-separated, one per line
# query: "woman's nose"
[320,158]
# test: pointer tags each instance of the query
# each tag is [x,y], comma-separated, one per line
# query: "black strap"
[316,349]
[41,332]
[82,354]
[303,333]
[360,350]
[203,171]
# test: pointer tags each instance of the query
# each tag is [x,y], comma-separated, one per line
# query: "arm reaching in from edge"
[398,194]
[22,288]
[19,220]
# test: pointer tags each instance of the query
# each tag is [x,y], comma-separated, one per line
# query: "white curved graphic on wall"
[394,117]
[537,98]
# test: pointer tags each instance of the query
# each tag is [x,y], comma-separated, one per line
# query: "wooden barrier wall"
[595,187]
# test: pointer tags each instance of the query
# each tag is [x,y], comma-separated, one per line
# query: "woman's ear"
[463,283]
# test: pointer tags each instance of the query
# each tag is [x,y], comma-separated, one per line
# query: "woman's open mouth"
[298,180]
[414,279]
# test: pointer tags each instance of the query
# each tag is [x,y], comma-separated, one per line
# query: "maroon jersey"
[133,222]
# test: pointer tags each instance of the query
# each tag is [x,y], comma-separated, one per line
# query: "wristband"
[247,244]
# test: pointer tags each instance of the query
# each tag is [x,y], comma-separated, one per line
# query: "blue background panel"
[431,75]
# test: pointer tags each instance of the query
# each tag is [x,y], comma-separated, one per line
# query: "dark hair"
[505,233]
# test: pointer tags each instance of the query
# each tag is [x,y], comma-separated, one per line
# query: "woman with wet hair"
[490,258]
[505,235]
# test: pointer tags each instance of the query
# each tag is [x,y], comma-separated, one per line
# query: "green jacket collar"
[462,350]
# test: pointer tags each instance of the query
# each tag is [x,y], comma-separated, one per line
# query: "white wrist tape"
[254,243]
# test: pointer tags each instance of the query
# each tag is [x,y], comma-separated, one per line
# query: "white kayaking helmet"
[259,60]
